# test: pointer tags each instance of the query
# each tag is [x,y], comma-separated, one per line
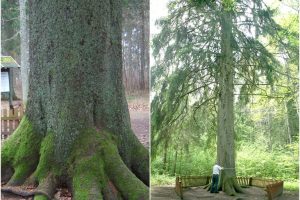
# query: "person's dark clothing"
[214,183]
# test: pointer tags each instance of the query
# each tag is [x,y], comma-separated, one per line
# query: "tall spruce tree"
[207,53]
[76,130]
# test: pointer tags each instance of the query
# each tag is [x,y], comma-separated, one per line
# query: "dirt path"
[139,117]
[163,192]
[252,193]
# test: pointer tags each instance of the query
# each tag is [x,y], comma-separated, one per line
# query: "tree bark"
[142,49]
[77,116]
[24,49]
[175,163]
[225,133]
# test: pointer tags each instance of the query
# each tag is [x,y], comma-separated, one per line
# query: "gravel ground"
[252,193]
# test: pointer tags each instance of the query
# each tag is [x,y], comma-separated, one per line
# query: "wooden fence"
[10,119]
[274,188]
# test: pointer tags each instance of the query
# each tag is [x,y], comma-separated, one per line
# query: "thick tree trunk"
[77,128]
[24,49]
[225,135]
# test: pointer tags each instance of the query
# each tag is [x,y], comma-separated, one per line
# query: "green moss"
[46,162]
[8,151]
[95,160]
[21,172]
[88,174]
[126,182]
[86,166]
[21,151]
[40,197]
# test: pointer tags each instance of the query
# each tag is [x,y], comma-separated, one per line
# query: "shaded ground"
[253,193]
[139,116]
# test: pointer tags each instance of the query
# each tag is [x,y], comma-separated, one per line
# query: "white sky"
[158,9]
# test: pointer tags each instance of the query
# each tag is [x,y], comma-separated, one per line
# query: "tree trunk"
[142,49]
[225,134]
[165,156]
[77,128]
[291,110]
[24,49]
[175,162]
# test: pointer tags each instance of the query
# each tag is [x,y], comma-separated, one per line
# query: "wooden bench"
[274,188]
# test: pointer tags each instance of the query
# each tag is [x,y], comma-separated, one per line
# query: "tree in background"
[24,32]
[136,45]
[76,130]
[10,34]
[208,53]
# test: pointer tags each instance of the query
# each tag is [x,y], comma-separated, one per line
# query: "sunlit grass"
[157,180]
[291,185]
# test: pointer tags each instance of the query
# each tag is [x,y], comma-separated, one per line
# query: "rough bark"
[77,116]
[225,134]
[24,49]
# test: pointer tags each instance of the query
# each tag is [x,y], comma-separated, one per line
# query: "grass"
[157,180]
[291,185]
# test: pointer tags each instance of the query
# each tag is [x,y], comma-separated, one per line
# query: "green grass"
[157,180]
[291,185]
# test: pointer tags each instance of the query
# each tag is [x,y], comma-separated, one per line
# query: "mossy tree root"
[230,186]
[126,182]
[140,162]
[94,167]
[107,176]
[20,153]
[46,188]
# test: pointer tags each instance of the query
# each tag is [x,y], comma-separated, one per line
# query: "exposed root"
[231,187]
[110,192]
[107,174]
[140,162]
[47,187]
[21,152]
[126,182]
[95,168]
[17,191]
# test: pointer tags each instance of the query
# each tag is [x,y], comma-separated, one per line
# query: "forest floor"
[252,193]
[139,116]
[139,110]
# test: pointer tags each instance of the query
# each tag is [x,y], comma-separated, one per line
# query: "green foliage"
[252,160]
[255,161]
[163,179]
[291,185]
[185,83]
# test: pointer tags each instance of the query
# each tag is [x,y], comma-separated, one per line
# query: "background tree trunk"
[77,116]
[24,49]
